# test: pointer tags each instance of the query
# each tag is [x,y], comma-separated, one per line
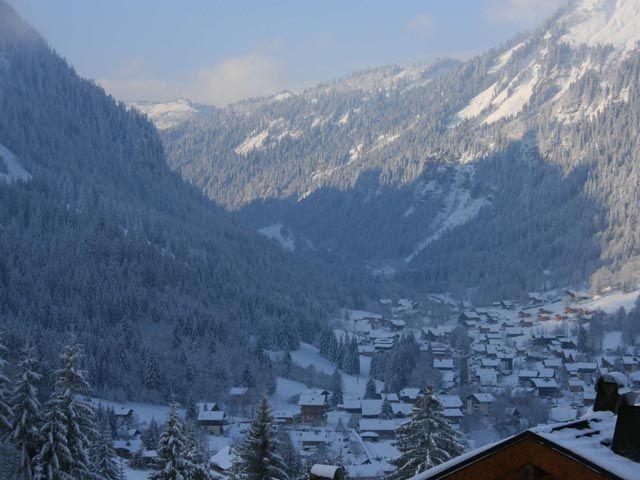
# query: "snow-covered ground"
[279,233]
[353,386]
[610,303]
[14,169]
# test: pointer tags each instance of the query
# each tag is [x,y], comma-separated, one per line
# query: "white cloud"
[254,74]
[521,12]
[422,23]
[239,77]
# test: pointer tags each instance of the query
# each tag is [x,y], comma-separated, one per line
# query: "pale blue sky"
[220,51]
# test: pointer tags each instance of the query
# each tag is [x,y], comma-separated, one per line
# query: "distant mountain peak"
[171,113]
[602,22]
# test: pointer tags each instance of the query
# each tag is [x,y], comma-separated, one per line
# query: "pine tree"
[151,437]
[173,453]
[54,461]
[27,419]
[337,396]
[6,415]
[258,456]
[386,412]
[69,429]
[370,390]
[104,457]
[247,378]
[426,440]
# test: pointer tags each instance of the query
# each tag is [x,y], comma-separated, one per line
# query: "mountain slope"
[497,173]
[159,282]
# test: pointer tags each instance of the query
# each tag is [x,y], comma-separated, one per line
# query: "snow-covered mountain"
[170,114]
[519,166]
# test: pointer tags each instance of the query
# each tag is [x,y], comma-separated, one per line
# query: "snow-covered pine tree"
[71,384]
[370,390]
[336,385]
[27,418]
[258,456]
[104,457]
[386,412]
[6,415]
[355,357]
[54,461]
[173,454]
[425,441]
[151,437]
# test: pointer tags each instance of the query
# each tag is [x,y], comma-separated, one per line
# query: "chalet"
[506,361]
[449,401]
[443,363]
[397,324]
[552,363]
[211,420]
[508,304]
[525,377]
[326,472]
[285,417]
[312,439]
[128,448]
[584,370]
[352,406]
[124,415]
[581,449]
[535,298]
[385,302]
[402,410]
[370,436]
[490,363]
[375,320]
[410,395]
[523,314]
[313,406]
[546,387]
[480,403]
[576,385]
[384,428]
[238,395]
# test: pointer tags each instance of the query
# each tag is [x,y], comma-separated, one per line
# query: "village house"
[384,428]
[480,403]
[210,417]
[313,406]
[410,395]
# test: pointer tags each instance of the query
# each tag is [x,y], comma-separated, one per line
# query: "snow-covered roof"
[324,471]
[483,397]
[443,363]
[210,416]
[371,408]
[223,459]
[587,438]
[238,391]
[311,400]
[449,401]
[411,393]
[374,425]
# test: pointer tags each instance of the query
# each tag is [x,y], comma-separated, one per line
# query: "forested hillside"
[163,288]
[515,170]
